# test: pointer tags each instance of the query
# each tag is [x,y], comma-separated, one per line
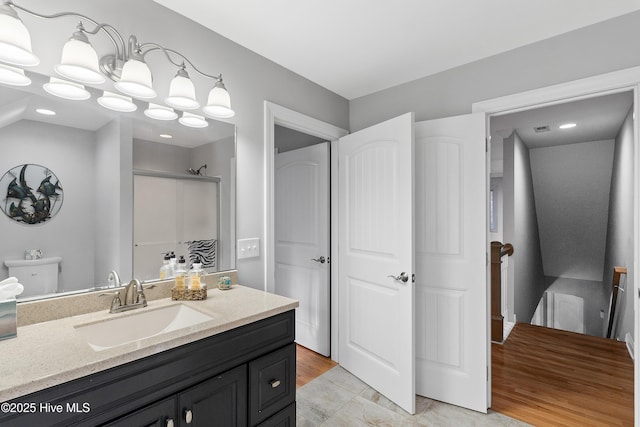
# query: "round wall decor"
[32,194]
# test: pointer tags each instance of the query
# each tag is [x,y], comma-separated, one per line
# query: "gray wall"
[619,247]
[114,204]
[250,79]
[521,229]
[608,46]
[69,153]
[571,185]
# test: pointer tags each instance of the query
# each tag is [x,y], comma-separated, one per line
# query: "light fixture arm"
[116,38]
[152,47]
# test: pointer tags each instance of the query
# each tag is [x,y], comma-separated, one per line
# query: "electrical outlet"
[248,248]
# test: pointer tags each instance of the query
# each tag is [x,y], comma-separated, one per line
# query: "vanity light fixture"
[193,120]
[15,40]
[219,102]
[160,112]
[13,76]
[79,59]
[182,92]
[116,102]
[67,90]
[165,136]
[567,126]
[125,65]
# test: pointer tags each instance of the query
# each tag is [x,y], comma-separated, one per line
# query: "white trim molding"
[616,81]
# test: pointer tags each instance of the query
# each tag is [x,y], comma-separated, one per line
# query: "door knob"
[401,278]
[321,260]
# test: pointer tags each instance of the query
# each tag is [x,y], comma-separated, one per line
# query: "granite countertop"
[50,353]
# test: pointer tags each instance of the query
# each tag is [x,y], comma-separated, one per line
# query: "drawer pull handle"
[274,383]
[188,416]
[169,422]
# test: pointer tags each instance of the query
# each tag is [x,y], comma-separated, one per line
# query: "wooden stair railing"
[617,273]
[498,250]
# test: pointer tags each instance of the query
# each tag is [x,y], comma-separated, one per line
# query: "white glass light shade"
[182,94]
[193,120]
[160,112]
[79,62]
[136,80]
[13,76]
[15,41]
[219,103]
[117,102]
[66,90]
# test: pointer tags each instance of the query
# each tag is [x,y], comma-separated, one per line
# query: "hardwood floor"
[310,365]
[547,377]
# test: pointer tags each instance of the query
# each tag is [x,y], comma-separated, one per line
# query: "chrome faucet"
[113,280]
[131,292]
[134,297]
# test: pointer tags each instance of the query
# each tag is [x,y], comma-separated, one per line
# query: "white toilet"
[38,276]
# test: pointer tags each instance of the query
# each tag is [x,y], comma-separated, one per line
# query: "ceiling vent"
[540,129]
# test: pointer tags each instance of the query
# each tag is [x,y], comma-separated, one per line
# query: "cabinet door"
[220,401]
[159,414]
[272,383]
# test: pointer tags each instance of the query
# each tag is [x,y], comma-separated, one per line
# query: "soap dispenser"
[165,270]
[172,265]
[181,274]
[196,276]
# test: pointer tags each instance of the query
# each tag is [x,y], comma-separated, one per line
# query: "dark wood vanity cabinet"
[242,377]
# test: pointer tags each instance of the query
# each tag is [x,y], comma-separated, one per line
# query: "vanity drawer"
[272,383]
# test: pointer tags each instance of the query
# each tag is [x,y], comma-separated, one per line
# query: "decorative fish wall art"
[32,194]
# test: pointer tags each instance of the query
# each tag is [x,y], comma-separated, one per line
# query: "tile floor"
[337,398]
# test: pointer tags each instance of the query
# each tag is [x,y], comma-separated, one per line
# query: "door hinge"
[486,145]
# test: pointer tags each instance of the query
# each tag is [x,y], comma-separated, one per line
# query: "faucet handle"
[141,297]
[115,303]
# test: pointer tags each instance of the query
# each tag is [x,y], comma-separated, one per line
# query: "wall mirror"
[134,188]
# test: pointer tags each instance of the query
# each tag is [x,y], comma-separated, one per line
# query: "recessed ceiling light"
[567,126]
[166,136]
[45,112]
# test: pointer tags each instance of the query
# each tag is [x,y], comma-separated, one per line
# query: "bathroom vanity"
[236,369]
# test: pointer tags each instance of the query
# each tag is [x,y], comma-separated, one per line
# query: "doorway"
[288,120]
[302,231]
[567,172]
[620,81]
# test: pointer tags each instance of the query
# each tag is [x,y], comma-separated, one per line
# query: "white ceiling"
[357,47]
[597,119]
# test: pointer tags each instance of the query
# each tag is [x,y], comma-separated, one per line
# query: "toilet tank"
[38,276]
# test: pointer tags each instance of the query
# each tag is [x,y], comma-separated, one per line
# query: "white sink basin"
[147,323]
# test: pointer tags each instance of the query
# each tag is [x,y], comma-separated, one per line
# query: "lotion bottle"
[196,276]
[172,265]
[165,270]
[181,274]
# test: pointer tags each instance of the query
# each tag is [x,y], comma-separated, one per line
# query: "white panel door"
[451,270]
[376,317]
[302,236]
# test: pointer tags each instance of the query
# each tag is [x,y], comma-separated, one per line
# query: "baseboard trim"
[629,340]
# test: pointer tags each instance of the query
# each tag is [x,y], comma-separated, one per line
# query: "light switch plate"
[248,248]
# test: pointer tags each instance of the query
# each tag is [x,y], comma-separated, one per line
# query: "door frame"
[613,82]
[275,114]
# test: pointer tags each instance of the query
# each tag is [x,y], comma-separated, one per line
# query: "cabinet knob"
[169,422]
[274,383]
[188,416]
